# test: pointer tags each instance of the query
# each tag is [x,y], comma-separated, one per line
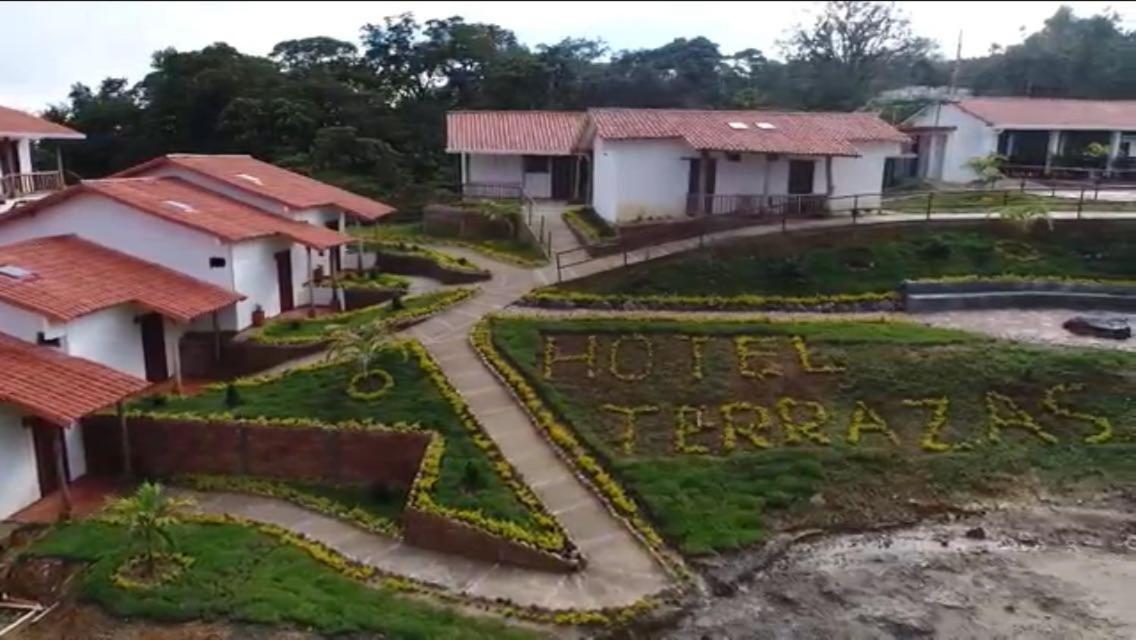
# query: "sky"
[45,47]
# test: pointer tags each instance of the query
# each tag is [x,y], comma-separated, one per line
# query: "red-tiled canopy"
[24,125]
[195,207]
[1053,112]
[57,387]
[268,181]
[549,133]
[67,277]
[802,133]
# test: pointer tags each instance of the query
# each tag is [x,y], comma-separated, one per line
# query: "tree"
[842,58]
[148,516]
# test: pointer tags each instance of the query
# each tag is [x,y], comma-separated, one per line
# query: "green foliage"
[1025,217]
[512,250]
[820,265]
[589,224]
[148,516]
[232,396]
[240,574]
[988,168]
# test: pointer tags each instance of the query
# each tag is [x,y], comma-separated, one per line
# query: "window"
[536,164]
[43,340]
[216,263]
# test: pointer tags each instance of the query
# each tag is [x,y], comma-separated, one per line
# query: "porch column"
[216,337]
[335,297]
[1011,138]
[1113,149]
[59,161]
[127,463]
[703,182]
[769,160]
[61,471]
[464,170]
[829,185]
[24,150]
[177,369]
[1053,149]
[311,286]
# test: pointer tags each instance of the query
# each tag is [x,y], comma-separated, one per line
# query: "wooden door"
[154,347]
[43,441]
[563,177]
[801,176]
[284,279]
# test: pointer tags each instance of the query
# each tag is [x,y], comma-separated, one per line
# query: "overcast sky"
[47,46]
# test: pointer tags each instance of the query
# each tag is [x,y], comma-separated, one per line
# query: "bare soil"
[1044,570]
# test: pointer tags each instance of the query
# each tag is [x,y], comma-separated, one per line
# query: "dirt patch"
[84,622]
[1050,571]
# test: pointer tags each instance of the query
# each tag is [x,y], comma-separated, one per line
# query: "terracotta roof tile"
[269,181]
[804,133]
[195,207]
[1053,112]
[20,123]
[516,132]
[58,387]
[69,277]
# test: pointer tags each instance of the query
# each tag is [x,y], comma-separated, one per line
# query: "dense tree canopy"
[369,116]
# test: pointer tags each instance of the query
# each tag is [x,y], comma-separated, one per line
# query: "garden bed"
[293,331]
[417,260]
[589,227]
[718,433]
[461,476]
[500,247]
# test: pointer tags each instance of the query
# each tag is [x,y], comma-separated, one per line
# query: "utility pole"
[958,63]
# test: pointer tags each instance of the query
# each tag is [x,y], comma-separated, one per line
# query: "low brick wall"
[164,448]
[434,532]
[416,266]
[361,297]
[198,356]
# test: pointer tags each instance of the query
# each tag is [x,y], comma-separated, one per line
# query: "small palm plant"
[363,344]
[988,168]
[1026,216]
[148,516]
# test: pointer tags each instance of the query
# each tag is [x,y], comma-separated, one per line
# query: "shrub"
[934,248]
[232,396]
[473,478]
[787,269]
[397,304]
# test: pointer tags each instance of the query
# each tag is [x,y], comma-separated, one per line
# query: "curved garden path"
[619,569]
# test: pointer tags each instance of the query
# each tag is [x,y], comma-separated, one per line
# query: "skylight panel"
[179,205]
[252,179]
[739,125]
[767,126]
[14,272]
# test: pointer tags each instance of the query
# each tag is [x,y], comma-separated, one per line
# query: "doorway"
[154,347]
[694,184]
[563,177]
[44,436]
[801,176]
[284,279]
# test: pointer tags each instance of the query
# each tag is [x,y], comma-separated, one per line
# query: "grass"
[240,574]
[514,251]
[412,248]
[980,201]
[840,263]
[373,280]
[296,330]
[383,503]
[319,394]
[589,224]
[725,499]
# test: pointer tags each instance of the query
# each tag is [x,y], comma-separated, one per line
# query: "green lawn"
[467,479]
[513,251]
[240,574]
[301,330]
[586,222]
[865,263]
[373,280]
[983,201]
[707,490]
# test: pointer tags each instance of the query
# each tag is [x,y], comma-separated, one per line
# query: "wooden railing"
[756,205]
[492,190]
[19,185]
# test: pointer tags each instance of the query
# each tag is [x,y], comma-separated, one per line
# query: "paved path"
[619,570]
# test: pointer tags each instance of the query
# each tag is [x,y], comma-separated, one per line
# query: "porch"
[1068,154]
[23,185]
[774,206]
[539,177]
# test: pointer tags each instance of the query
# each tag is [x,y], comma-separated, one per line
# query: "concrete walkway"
[619,569]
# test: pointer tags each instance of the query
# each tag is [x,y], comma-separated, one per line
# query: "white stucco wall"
[862,176]
[254,268]
[640,179]
[110,337]
[495,169]
[119,227]
[217,186]
[20,323]
[971,138]
[19,480]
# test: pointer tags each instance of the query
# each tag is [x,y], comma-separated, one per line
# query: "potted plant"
[258,316]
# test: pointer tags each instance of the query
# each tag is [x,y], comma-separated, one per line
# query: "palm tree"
[988,168]
[148,516]
[363,344]
[1025,216]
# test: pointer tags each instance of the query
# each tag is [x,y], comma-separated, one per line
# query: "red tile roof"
[269,181]
[1053,112]
[552,133]
[70,277]
[21,124]
[803,133]
[58,387]
[195,207]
